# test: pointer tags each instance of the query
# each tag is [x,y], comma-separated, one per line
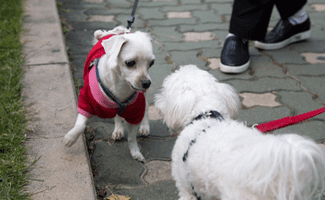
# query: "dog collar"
[121,105]
[210,114]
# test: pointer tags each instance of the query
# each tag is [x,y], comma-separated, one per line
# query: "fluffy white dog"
[216,157]
[115,79]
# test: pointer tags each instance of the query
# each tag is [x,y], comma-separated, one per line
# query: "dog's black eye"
[151,63]
[130,63]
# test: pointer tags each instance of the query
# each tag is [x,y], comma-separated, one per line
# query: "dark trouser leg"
[286,9]
[250,18]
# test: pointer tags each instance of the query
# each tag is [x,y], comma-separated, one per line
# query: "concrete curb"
[60,173]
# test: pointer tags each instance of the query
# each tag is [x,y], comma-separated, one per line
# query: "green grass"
[13,162]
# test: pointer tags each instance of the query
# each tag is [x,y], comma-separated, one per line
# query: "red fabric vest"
[92,101]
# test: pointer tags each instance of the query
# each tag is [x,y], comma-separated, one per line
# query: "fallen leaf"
[117,197]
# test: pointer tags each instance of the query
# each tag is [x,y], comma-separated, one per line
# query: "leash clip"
[254,126]
[131,18]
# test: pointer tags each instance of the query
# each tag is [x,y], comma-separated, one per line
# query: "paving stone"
[300,102]
[71,2]
[76,15]
[222,9]
[188,46]
[157,171]
[214,63]
[314,84]
[163,4]
[195,37]
[120,4]
[151,13]
[115,165]
[265,100]
[153,113]
[169,22]
[172,15]
[160,59]
[94,1]
[105,11]
[314,58]
[158,129]
[97,119]
[318,7]
[212,27]
[206,16]
[157,49]
[264,67]
[77,65]
[265,85]
[191,2]
[165,191]
[258,115]
[186,58]
[312,129]
[157,149]
[157,74]
[101,18]
[167,34]
[285,55]
[80,38]
[79,50]
[102,130]
[311,70]
[184,8]
[93,26]
[138,22]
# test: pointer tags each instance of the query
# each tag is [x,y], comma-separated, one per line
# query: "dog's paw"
[73,135]
[137,156]
[118,134]
[69,140]
[188,197]
[144,130]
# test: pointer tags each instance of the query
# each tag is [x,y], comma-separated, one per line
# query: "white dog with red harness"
[115,80]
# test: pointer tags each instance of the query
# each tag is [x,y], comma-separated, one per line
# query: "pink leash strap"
[286,121]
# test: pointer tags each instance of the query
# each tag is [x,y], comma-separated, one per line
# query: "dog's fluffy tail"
[288,167]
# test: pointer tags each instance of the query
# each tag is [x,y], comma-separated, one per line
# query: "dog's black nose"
[146,84]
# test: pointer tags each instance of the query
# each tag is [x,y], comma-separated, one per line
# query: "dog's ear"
[112,47]
[176,105]
[230,98]
[99,34]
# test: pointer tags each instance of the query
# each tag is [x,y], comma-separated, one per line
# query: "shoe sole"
[234,69]
[295,38]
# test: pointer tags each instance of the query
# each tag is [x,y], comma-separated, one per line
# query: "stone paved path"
[279,83]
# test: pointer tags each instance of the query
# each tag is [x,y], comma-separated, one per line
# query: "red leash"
[286,121]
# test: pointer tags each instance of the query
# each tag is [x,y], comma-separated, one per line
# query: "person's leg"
[250,18]
[293,26]
[249,21]
[288,8]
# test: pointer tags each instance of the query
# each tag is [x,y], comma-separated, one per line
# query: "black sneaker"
[234,55]
[284,33]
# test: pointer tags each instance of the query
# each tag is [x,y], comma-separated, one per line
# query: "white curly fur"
[228,160]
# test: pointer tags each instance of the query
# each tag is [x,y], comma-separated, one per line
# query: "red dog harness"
[92,101]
